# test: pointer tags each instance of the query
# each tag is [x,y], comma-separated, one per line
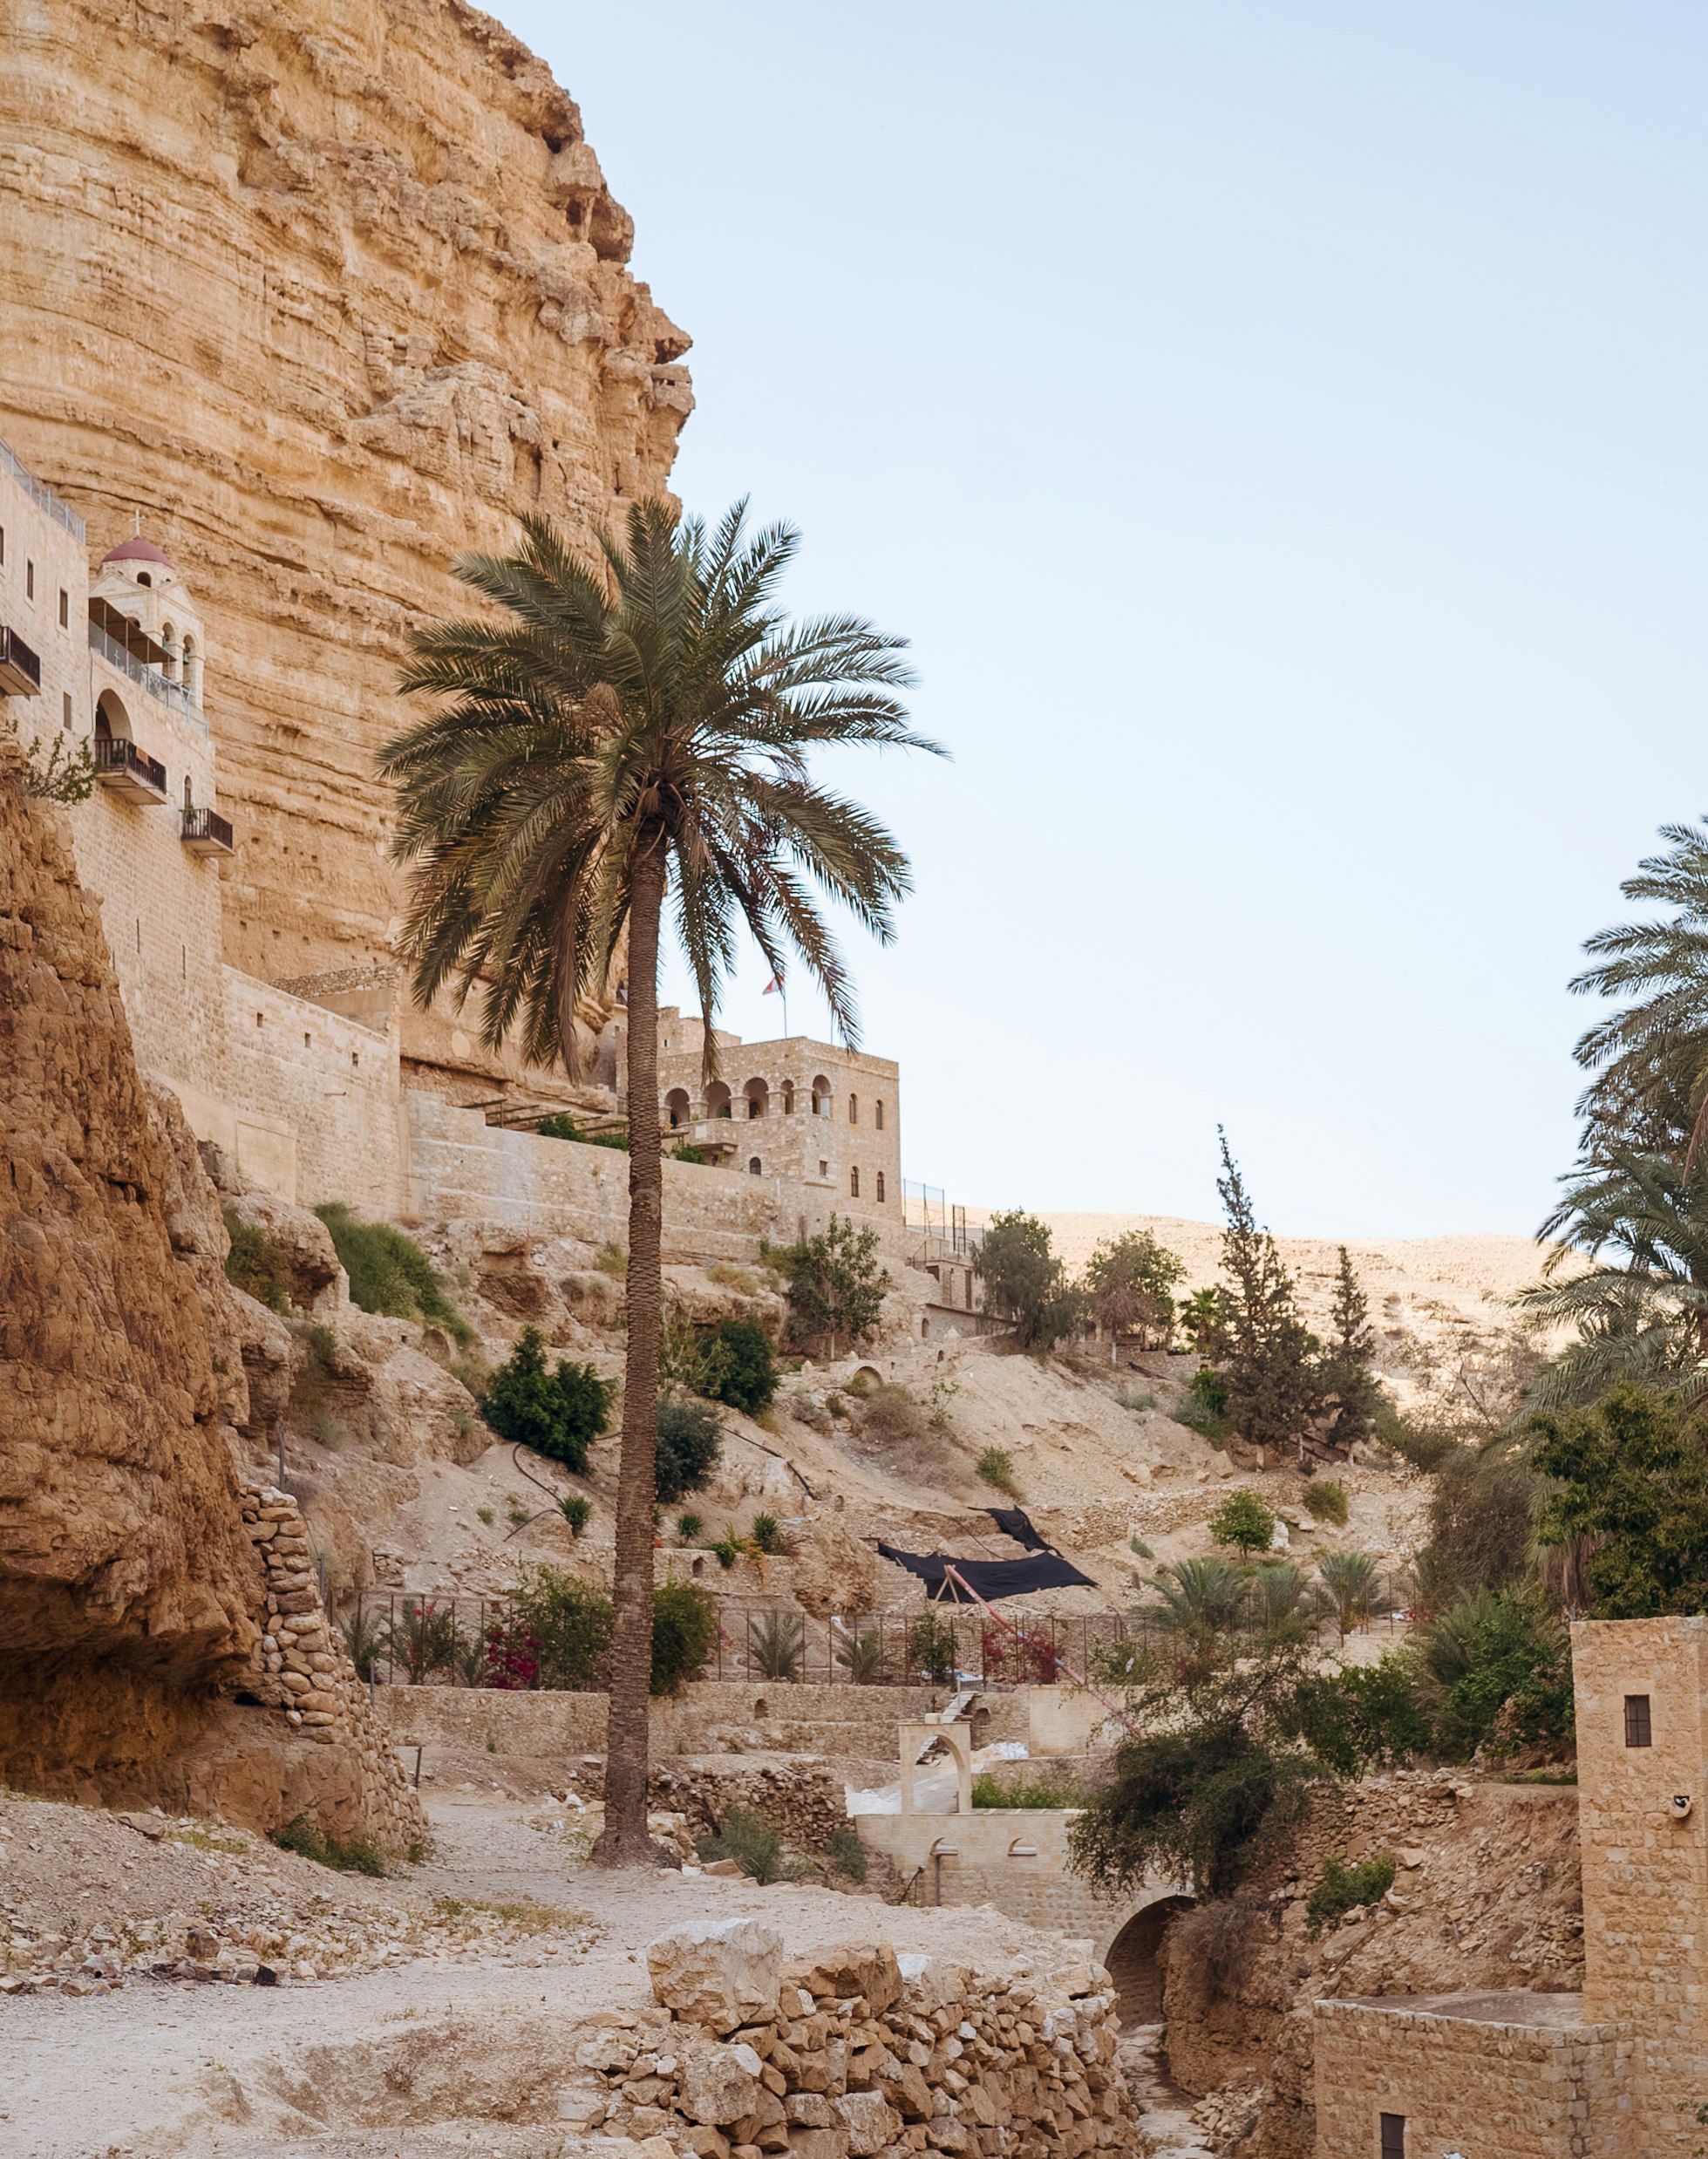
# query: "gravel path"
[425,2057]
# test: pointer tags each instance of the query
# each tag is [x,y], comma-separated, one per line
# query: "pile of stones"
[854,2055]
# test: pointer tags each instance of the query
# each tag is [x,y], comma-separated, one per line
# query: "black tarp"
[1016,1523]
[989,1578]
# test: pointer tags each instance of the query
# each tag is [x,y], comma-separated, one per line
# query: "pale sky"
[1282,433]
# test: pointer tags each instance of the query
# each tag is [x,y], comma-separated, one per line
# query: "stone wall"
[1012,1858]
[854,2055]
[305,1673]
[1520,2076]
[460,1168]
[327,295]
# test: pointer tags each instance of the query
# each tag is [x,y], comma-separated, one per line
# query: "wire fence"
[399,1638]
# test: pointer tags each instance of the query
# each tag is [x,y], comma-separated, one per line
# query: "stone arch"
[717,1099]
[1138,1958]
[112,722]
[820,1096]
[753,1166]
[880,1187]
[789,1097]
[757,1096]
[678,1109]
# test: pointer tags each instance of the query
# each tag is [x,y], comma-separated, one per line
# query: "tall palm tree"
[628,735]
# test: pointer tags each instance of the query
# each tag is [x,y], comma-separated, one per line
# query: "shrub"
[1203,1408]
[578,1510]
[1352,1581]
[1019,1658]
[932,1649]
[256,1263]
[558,1414]
[741,1366]
[729,1278]
[893,1418]
[1342,1888]
[777,1645]
[1326,1502]
[727,1549]
[1215,1940]
[685,1633]
[390,1273]
[1499,1668]
[612,1260]
[566,1623]
[354,1854]
[1481,1525]
[487,1515]
[422,1638]
[364,1639]
[563,1127]
[995,1466]
[1363,1718]
[687,1527]
[1137,1400]
[696,1157]
[1425,1443]
[690,1440]
[1039,1787]
[1243,1520]
[766,1533]
[756,1847]
[862,1656]
[846,1853]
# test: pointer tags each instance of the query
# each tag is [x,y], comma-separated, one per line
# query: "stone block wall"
[854,2055]
[305,1673]
[1515,2076]
[1013,1858]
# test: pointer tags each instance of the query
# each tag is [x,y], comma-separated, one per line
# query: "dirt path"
[437,2054]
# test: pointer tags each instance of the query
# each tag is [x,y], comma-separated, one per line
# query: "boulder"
[870,2121]
[720,1973]
[717,2085]
[867,1968]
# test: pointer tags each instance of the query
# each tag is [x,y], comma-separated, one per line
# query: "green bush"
[1024,1283]
[1342,1888]
[687,1527]
[685,1633]
[862,1656]
[1364,1717]
[569,1622]
[766,1533]
[739,1366]
[1203,1408]
[256,1264]
[1137,1400]
[995,1466]
[777,1645]
[846,1853]
[1326,1502]
[563,1127]
[1243,1520]
[690,1440]
[558,1414]
[834,1285]
[578,1510]
[932,1649]
[354,1854]
[1039,1787]
[756,1847]
[390,1273]
[1501,1670]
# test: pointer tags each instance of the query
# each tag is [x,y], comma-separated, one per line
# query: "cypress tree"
[1267,1354]
[1347,1381]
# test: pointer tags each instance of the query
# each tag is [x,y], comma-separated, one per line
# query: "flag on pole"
[776,982]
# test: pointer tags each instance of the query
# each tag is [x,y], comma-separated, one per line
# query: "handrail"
[15,653]
[43,497]
[146,678]
[118,753]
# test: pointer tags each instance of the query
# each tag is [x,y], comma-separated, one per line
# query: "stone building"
[314,1084]
[1620,2071]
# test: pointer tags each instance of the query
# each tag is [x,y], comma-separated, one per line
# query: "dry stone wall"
[856,2054]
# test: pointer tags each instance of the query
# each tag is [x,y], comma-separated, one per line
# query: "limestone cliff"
[326,294]
[127,1582]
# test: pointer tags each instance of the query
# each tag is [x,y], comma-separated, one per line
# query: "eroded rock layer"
[325,294]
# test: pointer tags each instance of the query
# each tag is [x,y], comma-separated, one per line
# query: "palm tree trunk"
[624,1842]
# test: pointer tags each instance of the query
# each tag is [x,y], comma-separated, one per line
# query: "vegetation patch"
[557,1414]
[995,1466]
[389,1274]
[354,1854]
[690,1441]
[1020,1788]
[1342,1888]
[256,1263]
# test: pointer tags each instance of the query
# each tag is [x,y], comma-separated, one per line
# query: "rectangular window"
[1394,2136]
[854,1184]
[68,711]
[853,1109]
[878,1112]
[64,608]
[3,547]
[29,579]
[1638,1730]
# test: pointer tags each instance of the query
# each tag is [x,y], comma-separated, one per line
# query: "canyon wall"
[323,294]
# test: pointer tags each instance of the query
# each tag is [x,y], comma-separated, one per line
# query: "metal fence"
[43,497]
[401,1638]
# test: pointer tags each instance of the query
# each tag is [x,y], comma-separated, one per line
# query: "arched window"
[753,1166]
[144,578]
[820,1096]
[717,1099]
[169,639]
[678,1109]
[878,1115]
[854,1184]
[789,1097]
[189,800]
[853,1109]
[758,1096]
[111,720]
[192,668]
[880,1187]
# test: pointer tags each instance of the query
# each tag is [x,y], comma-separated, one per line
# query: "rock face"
[133,1596]
[326,295]
[126,1581]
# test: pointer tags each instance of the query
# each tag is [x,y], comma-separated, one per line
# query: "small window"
[1394,2136]
[853,1109]
[880,1187]
[143,578]
[258,1019]
[64,608]
[3,547]
[878,1115]
[355,1059]
[67,706]
[307,1041]
[854,1184]
[754,1167]
[29,579]
[824,1170]
[1639,1731]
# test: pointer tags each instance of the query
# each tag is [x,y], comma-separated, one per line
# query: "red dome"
[137,551]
